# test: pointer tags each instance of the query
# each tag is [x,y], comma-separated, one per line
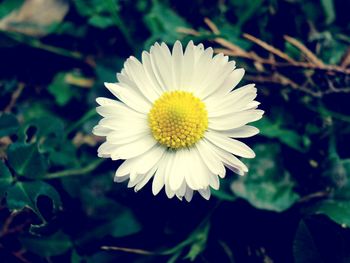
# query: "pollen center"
[178,119]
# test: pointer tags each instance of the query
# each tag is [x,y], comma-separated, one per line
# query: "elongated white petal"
[130,97]
[242,132]
[180,170]
[235,120]
[159,177]
[230,145]
[133,149]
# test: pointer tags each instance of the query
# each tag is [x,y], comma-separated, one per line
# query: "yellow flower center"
[178,119]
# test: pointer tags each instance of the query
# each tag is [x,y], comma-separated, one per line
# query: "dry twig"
[307,52]
[313,63]
[14,98]
[128,250]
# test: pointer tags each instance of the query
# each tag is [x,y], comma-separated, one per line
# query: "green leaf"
[5,179]
[8,6]
[223,195]
[8,124]
[244,10]
[101,21]
[75,257]
[337,210]
[275,130]
[115,219]
[304,247]
[267,185]
[54,245]
[26,160]
[61,90]
[26,194]
[200,238]
[163,23]
[124,224]
[337,207]
[50,138]
[329,10]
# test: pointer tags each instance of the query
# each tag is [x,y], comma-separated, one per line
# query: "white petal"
[149,159]
[146,178]
[121,179]
[214,181]
[201,70]
[130,97]
[198,178]
[136,71]
[219,102]
[106,101]
[179,170]
[253,105]
[159,177]
[177,61]
[230,145]
[125,168]
[120,111]
[134,179]
[211,160]
[242,132]
[125,136]
[231,82]
[188,194]
[105,150]
[188,66]
[205,193]
[235,120]
[180,193]
[234,106]
[161,63]
[135,148]
[122,124]
[218,72]
[147,65]
[99,130]
[230,161]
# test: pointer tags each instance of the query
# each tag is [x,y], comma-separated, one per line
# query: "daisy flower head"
[177,120]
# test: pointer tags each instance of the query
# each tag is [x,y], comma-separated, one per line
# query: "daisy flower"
[177,120]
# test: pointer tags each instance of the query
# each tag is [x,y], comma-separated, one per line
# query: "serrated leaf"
[267,185]
[54,245]
[26,194]
[26,160]
[8,124]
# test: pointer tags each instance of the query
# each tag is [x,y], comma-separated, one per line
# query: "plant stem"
[83,119]
[77,171]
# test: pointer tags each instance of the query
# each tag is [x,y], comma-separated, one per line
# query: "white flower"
[177,120]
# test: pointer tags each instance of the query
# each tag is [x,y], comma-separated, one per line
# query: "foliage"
[58,199]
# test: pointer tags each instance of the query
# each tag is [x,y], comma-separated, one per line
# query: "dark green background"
[58,199]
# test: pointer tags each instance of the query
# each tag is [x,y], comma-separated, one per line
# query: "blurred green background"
[58,200]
